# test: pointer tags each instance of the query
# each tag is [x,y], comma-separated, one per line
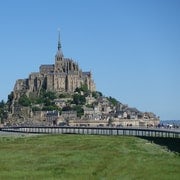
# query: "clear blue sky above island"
[132,47]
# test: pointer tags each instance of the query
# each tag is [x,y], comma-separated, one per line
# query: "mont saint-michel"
[63,94]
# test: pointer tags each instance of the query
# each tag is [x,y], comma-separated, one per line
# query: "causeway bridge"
[124,131]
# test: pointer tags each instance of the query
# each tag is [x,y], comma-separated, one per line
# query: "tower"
[59,54]
[59,58]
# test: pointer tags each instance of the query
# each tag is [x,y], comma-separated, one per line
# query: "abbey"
[63,76]
[63,93]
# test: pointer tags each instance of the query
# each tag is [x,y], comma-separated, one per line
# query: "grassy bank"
[85,157]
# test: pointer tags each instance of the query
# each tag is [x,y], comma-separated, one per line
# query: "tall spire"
[59,52]
[59,42]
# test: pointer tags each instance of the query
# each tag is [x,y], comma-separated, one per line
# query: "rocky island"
[63,94]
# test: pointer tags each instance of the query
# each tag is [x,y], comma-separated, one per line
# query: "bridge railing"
[126,131]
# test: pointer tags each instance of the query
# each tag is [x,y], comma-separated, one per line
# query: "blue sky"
[132,47]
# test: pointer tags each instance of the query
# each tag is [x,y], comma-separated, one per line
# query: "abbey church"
[63,76]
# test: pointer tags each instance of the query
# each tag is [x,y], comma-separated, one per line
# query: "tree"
[36,108]
[79,110]
[51,108]
[113,101]
[3,111]
[96,94]
[10,97]
[67,108]
[65,95]
[2,104]
[84,89]
[79,99]
[24,100]
[89,105]
[50,95]
[78,90]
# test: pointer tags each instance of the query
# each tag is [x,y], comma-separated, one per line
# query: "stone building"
[62,76]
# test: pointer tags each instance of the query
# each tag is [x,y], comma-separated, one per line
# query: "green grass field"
[85,157]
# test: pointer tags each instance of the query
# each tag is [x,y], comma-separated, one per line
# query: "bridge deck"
[126,131]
